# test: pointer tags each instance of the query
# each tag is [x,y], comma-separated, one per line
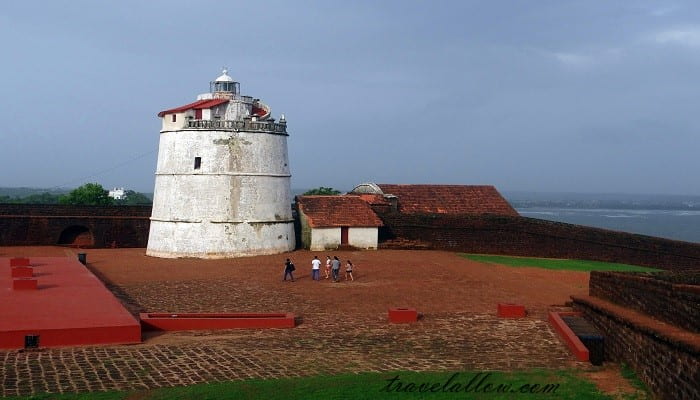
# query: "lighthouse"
[222,186]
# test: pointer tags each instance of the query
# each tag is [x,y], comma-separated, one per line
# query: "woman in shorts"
[348,271]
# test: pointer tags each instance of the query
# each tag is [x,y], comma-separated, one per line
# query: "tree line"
[92,194]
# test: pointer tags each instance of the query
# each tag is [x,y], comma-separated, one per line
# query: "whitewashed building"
[117,194]
[222,179]
[330,222]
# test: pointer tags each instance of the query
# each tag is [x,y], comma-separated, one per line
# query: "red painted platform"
[508,310]
[402,315]
[70,307]
[193,321]
[574,343]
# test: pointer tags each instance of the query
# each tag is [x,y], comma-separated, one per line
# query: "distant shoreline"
[674,224]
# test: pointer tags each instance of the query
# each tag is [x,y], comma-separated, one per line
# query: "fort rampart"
[128,226]
[80,226]
[651,322]
[670,297]
[521,236]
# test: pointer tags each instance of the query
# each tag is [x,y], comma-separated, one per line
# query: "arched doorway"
[76,235]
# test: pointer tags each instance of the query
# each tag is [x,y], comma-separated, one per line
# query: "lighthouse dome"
[224,77]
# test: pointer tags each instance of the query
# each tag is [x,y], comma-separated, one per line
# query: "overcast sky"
[576,96]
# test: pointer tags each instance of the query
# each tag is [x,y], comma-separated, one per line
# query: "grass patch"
[560,384]
[559,264]
[629,374]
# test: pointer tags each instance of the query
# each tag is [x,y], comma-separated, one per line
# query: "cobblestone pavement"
[326,344]
[343,327]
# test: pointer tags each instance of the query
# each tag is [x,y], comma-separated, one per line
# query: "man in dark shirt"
[288,269]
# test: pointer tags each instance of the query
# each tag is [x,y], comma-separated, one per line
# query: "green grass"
[560,384]
[559,264]
[629,374]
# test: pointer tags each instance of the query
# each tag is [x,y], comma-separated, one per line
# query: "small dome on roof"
[224,77]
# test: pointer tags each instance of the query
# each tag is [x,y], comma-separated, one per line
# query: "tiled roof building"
[441,199]
[331,211]
[328,222]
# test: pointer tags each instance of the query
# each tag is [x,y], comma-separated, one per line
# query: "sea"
[671,224]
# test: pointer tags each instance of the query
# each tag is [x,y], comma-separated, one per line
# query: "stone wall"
[116,226]
[522,236]
[8,210]
[652,294]
[670,367]
[128,226]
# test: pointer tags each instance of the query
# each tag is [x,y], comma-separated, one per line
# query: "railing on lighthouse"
[245,125]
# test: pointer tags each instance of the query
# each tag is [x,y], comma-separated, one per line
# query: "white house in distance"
[222,180]
[117,193]
[329,222]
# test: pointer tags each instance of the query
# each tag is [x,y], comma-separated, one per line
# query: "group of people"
[332,269]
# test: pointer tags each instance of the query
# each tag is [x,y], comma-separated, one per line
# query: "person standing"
[348,271]
[328,266]
[335,269]
[288,270]
[316,269]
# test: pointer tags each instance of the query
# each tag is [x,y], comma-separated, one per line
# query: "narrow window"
[174,117]
[197,162]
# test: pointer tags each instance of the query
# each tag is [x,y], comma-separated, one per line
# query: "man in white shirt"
[316,269]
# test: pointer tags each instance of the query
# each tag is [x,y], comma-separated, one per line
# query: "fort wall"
[80,226]
[128,226]
[521,236]
[670,297]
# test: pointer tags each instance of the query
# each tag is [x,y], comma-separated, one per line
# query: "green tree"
[92,194]
[321,191]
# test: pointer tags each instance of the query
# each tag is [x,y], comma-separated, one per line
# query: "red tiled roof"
[449,199]
[374,199]
[199,104]
[331,211]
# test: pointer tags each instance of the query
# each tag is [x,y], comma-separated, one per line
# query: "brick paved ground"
[343,327]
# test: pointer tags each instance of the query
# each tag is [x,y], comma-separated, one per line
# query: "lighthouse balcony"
[245,125]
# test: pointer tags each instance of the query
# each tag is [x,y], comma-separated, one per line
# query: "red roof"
[373,199]
[332,211]
[449,199]
[199,104]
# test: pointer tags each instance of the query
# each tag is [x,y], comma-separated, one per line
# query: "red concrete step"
[19,262]
[24,284]
[22,272]
[204,321]
[508,310]
[402,315]
[570,338]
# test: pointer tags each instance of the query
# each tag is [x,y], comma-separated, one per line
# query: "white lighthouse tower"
[222,181]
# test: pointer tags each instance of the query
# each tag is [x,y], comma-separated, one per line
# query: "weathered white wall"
[180,121]
[218,240]
[363,238]
[329,238]
[238,203]
[324,238]
[237,110]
